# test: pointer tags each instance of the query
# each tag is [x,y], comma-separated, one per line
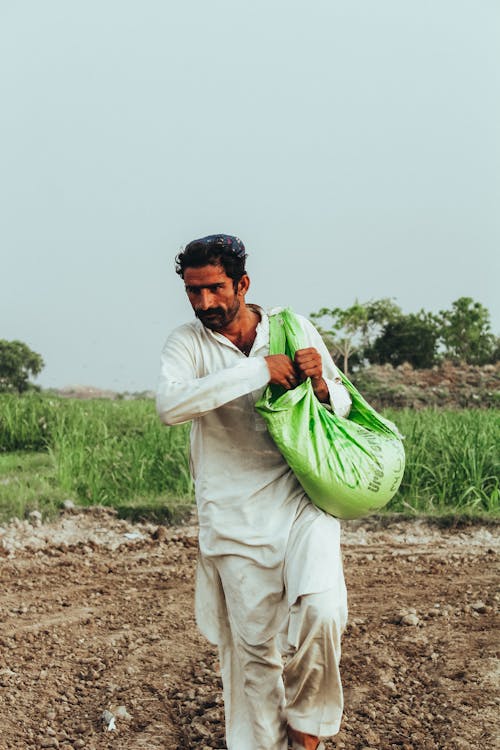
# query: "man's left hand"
[309,365]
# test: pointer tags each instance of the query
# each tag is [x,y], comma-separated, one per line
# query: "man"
[270,587]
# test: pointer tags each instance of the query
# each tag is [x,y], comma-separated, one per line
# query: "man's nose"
[205,301]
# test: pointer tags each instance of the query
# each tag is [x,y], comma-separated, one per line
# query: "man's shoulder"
[192,328]
[185,335]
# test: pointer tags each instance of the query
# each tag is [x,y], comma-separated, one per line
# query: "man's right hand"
[282,371]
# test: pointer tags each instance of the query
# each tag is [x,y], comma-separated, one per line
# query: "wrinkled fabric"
[261,697]
[313,688]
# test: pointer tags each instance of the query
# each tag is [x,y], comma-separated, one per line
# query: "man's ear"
[243,284]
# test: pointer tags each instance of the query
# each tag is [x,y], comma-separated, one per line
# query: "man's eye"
[197,290]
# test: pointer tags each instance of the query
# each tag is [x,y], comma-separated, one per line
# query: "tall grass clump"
[102,452]
[452,461]
[26,421]
[109,452]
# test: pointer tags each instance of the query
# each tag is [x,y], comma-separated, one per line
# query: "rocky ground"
[444,386]
[98,646]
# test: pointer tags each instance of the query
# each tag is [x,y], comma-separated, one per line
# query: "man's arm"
[182,395]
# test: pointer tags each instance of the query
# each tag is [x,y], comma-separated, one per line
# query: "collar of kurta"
[261,338]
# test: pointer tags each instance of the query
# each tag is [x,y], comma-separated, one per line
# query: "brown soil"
[96,614]
[445,386]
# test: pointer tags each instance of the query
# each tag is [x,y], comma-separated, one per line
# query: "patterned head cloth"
[223,241]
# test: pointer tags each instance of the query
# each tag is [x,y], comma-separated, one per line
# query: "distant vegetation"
[18,363]
[378,332]
[117,453]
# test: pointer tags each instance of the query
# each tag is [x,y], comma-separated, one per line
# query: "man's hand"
[282,371]
[309,365]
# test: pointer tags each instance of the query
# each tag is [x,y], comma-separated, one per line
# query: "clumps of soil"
[445,385]
[99,649]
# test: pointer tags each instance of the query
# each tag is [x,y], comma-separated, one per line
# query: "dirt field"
[97,615]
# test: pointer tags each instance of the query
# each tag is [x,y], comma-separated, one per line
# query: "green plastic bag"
[348,467]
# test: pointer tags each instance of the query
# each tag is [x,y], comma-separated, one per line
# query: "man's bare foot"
[303,741]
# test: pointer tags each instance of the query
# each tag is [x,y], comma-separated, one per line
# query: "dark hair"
[215,250]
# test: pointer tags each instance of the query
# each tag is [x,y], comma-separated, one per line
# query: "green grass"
[96,452]
[117,453]
[28,482]
[109,452]
[452,461]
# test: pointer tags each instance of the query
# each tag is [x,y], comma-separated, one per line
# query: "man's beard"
[216,318]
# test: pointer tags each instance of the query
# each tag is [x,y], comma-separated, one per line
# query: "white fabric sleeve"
[183,396]
[340,401]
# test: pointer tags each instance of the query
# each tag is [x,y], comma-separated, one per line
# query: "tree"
[409,338]
[466,332]
[351,331]
[17,364]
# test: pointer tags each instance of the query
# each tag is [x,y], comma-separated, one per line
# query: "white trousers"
[279,638]
[264,690]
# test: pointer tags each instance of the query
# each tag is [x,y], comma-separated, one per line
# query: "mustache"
[201,314]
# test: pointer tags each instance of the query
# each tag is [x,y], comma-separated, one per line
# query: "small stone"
[371,736]
[410,620]
[160,534]
[108,720]
[479,606]
[122,713]
[35,518]
[201,729]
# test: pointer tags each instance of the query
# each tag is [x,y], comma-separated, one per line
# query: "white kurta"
[247,496]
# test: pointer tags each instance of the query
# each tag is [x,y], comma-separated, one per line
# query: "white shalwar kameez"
[270,588]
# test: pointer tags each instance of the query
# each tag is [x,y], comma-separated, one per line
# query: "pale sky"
[352,145]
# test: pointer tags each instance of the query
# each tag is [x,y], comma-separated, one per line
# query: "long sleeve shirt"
[247,496]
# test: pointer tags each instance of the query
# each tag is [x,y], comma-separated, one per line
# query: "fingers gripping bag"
[349,467]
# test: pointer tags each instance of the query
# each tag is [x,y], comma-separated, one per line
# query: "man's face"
[212,295]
